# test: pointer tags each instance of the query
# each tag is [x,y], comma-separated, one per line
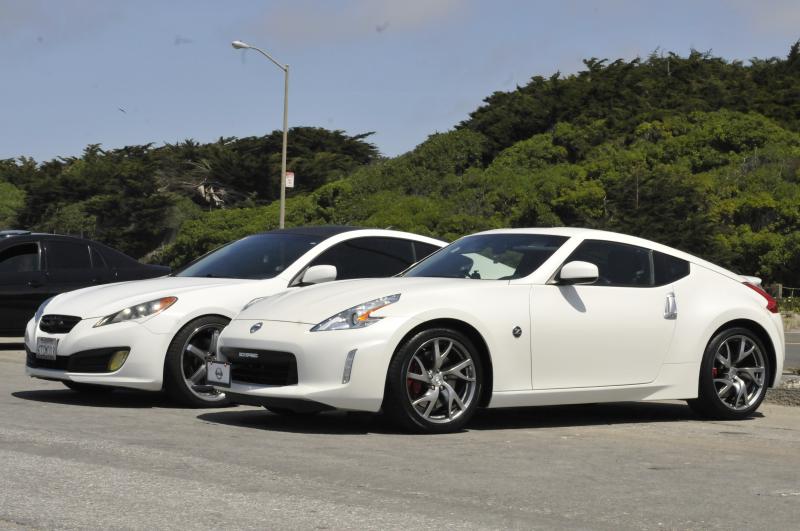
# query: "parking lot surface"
[132,460]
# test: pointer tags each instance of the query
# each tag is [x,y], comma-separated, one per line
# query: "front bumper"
[321,358]
[143,368]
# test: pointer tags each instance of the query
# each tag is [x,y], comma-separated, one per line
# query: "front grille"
[58,324]
[263,367]
[93,361]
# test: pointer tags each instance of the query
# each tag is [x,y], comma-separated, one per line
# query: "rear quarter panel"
[706,302]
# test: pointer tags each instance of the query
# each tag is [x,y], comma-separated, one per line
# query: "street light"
[239,45]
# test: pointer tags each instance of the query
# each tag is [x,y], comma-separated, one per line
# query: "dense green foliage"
[695,152]
[136,198]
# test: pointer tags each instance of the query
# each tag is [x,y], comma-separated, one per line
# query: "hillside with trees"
[696,152]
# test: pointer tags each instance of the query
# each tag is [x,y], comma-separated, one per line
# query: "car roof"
[594,234]
[325,232]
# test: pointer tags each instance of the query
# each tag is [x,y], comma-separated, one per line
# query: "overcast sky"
[117,73]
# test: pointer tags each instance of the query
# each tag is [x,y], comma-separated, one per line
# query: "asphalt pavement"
[130,460]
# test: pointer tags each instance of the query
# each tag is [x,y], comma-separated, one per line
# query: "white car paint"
[579,343]
[150,337]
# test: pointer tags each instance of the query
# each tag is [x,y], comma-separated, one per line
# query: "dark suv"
[34,267]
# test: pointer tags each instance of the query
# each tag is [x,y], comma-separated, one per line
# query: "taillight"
[772,304]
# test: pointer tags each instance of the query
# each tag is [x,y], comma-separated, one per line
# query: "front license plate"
[218,373]
[46,348]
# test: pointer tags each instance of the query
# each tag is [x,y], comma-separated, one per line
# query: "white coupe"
[154,334]
[505,318]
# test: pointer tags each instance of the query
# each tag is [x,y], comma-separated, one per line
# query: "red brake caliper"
[713,372]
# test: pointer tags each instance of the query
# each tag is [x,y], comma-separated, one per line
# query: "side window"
[619,264]
[422,250]
[67,255]
[23,258]
[668,268]
[368,257]
[97,259]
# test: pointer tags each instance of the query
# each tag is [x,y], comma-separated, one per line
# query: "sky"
[116,73]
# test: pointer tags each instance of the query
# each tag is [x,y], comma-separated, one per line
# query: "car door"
[68,265]
[22,285]
[616,331]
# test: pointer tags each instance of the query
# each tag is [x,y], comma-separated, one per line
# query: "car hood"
[99,301]
[314,304]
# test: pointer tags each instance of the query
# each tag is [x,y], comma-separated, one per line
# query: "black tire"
[708,403]
[401,390]
[88,388]
[175,383]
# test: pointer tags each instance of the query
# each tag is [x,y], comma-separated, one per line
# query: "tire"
[186,357]
[87,388]
[733,376]
[419,394]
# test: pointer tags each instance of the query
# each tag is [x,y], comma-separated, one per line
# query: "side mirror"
[578,273]
[318,274]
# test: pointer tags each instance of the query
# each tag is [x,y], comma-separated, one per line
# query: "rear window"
[668,268]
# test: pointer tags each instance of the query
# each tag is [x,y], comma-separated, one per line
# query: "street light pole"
[239,45]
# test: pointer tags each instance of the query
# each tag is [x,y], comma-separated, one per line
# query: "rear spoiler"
[752,280]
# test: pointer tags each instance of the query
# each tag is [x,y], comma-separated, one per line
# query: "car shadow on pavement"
[334,423]
[126,399]
[328,423]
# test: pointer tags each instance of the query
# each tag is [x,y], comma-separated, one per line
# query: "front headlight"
[40,311]
[146,309]
[357,316]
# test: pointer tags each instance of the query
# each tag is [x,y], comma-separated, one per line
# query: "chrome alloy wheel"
[199,346]
[739,372]
[440,380]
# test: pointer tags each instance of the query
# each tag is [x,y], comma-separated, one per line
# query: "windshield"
[489,257]
[257,256]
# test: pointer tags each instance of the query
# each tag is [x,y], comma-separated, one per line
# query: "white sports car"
[519,317]
[157,333]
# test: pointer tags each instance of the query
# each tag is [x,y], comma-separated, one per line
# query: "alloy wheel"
[739,372]
[441,380]
[199,346]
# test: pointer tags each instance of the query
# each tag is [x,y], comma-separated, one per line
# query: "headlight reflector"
[356,317]
[146,309]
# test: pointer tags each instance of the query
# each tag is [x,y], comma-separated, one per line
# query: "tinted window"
[257,256]
[97,259]
[114,258]
[368,257]
[423,249]
[20,258]
[67,255]
[619,264]
[668,268]
[490,257]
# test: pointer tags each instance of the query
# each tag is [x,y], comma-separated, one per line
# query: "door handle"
[35,283]
[670,307]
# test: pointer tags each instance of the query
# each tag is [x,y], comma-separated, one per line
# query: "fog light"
[348,366]
[117,359]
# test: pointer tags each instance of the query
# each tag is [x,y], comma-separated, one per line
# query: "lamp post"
[239,45]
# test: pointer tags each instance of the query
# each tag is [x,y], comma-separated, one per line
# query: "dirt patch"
[784,397]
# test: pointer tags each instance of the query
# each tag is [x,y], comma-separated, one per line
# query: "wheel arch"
[475,336]
[761,333]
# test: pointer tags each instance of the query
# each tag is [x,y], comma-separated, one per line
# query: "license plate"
[46,348]
[218,373]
